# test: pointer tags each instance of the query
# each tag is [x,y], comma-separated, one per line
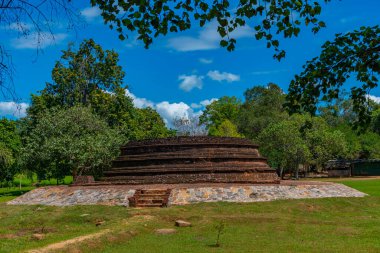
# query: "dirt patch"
[59,246]
[309,207]
[8,236]
[64,244]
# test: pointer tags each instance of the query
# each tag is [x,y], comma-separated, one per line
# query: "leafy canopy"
[356,55]
[225,108]
[10,144]
[68,141]
[269,18]
[263,105]
[287,147]
[92,76]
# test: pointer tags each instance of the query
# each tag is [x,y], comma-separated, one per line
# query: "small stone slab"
[38,237]
[182,223]
[165,231]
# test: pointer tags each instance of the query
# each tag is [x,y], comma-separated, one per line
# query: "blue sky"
[182,72]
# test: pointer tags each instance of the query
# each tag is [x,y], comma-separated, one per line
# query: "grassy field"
[27,182]
[312,225]
[8,193]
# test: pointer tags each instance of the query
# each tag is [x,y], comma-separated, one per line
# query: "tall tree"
[81,72]
[225,108]
[284,146]
[355,53]
[91,76]
[337,112]
[69,141]
[287,147]
[227,129]
[146,124]
[263,105]
[10,144]
[6,163]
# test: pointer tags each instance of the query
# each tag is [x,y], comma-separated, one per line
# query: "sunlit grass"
[310,225]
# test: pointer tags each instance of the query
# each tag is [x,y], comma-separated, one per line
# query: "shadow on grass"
[12,193]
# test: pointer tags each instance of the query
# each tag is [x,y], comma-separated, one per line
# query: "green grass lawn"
[371,187]
[25,181]
[310,225]
[8,193]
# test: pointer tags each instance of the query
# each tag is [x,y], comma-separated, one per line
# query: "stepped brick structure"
[196,159]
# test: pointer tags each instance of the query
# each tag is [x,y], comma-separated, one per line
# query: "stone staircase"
[150,198]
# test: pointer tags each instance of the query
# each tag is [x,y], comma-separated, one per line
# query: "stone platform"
[182,194]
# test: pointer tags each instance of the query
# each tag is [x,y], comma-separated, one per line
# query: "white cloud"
[13,109]
[38,40]
[223,76]
[190,82]
[205,61]
[206,102]
[203,103]
[20,27]
[348,19]
[374,98]
[170,111]
[139,102]
[91,13]
[208,38]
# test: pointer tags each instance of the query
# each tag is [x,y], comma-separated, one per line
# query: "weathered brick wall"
[196,159]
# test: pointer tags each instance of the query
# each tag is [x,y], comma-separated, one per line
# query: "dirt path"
[64,244]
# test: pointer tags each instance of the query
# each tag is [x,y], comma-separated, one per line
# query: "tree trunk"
[282,173]
[297,173]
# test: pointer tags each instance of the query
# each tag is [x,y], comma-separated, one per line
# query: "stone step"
[153,192]
[150,201]
[152,196]
[149,205]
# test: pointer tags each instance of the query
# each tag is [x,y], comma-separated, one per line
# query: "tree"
[376,121]
[338,112]
[227,129]
[355,53]
[323,142]
[282,143]
[70,141]
[9,135]
[10,144]
[91,76]
[225,108]
[263,105]
[6,164]
[151,19]
[146,124]
[82,72]
[301,139]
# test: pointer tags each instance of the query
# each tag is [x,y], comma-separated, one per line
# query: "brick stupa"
[196,159]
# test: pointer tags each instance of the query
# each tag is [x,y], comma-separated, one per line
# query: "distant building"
[347,168]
